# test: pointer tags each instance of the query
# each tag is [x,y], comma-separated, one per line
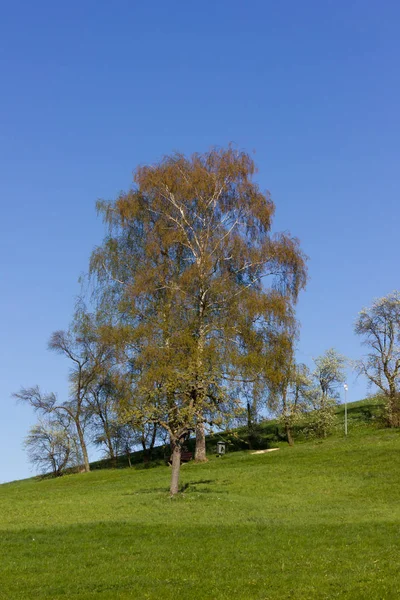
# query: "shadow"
[191,486]
[202,486]
[204,481]
[159,490]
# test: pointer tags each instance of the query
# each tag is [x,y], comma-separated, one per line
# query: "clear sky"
[90,89]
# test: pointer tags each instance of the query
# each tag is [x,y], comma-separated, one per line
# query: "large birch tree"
[190,268]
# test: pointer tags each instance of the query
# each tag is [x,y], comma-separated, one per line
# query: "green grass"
[317,521]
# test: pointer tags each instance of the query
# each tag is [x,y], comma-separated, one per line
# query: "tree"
[288,382]
[148,436]
[185,264]
[51,446]
[127,437]
[328,374]
[88,356]
[107,423]
[103,418]
[293,400]
[252,397]
[379,325]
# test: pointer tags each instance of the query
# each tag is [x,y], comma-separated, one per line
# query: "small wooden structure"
[186,456]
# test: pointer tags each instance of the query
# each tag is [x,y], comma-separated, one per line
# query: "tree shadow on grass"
[203,486]
[153,490]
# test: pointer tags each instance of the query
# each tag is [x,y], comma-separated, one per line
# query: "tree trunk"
[153,441]
[128,453]
[83,446]
[102,414]
[286,416]
[251,426]
[200,454]
[64,462]
[146,457]
[148,451]
[176,466]
[289,435]
[393,409]
[111,452]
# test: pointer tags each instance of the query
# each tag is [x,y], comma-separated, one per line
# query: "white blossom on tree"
[328,374]
[379,326]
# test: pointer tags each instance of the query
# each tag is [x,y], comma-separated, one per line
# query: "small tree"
[289,382]
[88,356]
[328,374]
[252,397]
[295,397]
[148,436]
[379,325]
[127,440]
[50,446]
[102,399]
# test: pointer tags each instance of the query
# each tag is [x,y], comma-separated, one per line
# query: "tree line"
[191,322]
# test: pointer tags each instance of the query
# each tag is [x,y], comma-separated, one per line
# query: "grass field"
[317,521]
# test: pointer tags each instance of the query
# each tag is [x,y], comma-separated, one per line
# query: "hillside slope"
[320,520]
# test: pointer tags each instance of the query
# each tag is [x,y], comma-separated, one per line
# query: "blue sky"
[91,89]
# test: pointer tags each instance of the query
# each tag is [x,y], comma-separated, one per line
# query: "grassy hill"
[317,521]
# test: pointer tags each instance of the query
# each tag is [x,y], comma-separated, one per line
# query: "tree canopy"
[195,284]
[379,326]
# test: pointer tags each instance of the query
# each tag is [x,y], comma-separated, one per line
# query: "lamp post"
[346,387]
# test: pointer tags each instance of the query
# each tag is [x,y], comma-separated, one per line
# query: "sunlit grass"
[320,520]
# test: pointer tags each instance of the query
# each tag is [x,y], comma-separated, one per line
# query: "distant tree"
[102,415]
[141,436]
[88,356]
[294,397]
[262,349]
[148,436]
[186,260]
[253,399]
[106,420]
[379,325]
[51,446]
[127,437]
[290,383]
[328,374]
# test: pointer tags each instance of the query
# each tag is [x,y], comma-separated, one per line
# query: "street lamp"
[346,387]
